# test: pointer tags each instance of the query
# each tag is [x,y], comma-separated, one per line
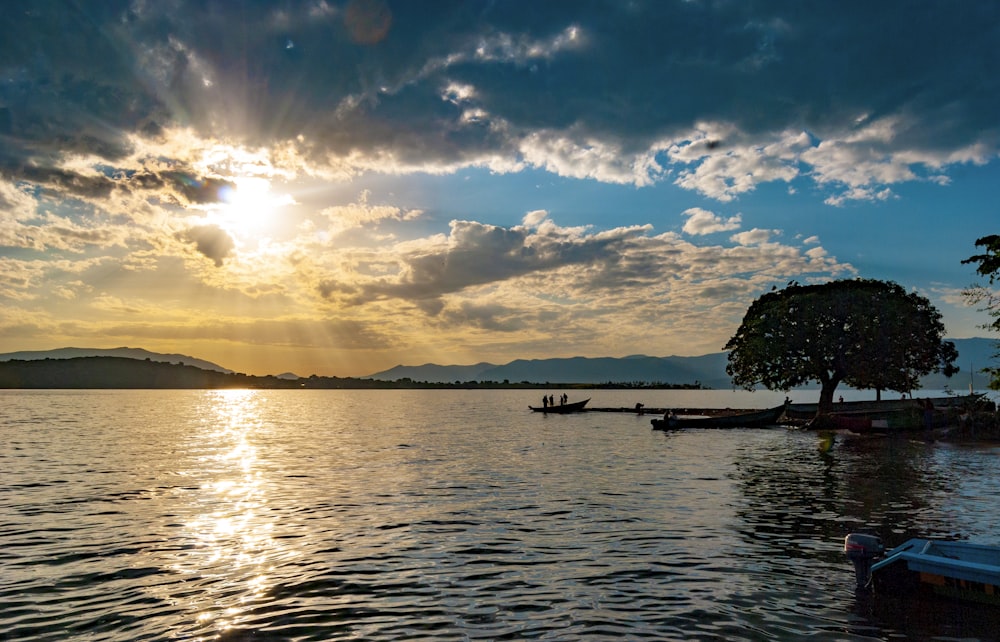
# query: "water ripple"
[247,515]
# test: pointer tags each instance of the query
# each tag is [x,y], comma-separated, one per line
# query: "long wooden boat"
[959,570]
[563,408]
[876,409]
[758,419]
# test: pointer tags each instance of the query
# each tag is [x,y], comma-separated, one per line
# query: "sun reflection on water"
[232,550]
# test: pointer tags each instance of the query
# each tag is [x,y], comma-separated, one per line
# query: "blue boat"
[958,570]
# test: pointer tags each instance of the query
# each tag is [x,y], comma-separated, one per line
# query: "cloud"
[755,236]
[701,221]
[436,88]
[488,317]
[473,254]
[361,213]
[210,240]
[574,263]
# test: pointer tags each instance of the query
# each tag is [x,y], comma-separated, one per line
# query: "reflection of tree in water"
[801,493]
[796,495]
[890,486]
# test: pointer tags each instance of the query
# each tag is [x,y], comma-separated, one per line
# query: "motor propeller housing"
[863,549]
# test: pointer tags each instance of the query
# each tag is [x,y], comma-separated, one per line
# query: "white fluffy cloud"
[701,221]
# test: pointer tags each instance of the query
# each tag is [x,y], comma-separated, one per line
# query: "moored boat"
[757,419]
[951,569]
[881,409]
[562,408]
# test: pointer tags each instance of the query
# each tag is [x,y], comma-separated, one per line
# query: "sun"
[250,209]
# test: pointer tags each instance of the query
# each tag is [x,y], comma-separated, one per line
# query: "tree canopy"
[989,262]
[989,266]
[866,333]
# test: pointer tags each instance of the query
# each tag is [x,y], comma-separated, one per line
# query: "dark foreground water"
[455,515]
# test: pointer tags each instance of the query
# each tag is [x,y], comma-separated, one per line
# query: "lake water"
[458,515]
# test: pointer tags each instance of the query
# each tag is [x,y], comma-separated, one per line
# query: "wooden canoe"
[757,419]
[562,408]
[877,409]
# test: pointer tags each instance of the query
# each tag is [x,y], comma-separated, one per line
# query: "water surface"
[456,515]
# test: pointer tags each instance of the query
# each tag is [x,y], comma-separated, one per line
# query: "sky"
[336,188]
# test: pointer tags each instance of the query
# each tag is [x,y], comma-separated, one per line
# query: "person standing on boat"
[545,401]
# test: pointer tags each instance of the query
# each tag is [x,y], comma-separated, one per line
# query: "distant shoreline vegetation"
[102,373]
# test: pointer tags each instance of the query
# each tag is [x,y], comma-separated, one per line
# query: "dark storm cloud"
[373,76]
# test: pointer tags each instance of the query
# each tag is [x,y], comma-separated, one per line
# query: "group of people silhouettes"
[551,401]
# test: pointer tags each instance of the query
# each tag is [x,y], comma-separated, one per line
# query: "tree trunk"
[826,396]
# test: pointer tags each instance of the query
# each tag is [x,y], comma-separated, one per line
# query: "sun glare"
[251,209]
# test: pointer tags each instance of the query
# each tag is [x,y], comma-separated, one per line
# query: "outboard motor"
[862,549]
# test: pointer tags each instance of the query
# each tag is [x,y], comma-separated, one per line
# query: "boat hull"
[954,570]
[760,419]
[880,409]
[562,409]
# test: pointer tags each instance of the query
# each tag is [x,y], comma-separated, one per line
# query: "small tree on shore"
[986,298]
[865,333]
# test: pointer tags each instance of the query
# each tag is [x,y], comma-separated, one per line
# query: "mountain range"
[708,370]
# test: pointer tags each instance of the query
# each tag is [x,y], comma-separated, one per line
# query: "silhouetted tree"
[986,298]
[866,333]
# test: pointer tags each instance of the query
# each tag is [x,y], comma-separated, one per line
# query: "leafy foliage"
[988,300]
[866,333]
[989,263]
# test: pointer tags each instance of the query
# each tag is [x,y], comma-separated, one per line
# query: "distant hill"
[435,374]
[127,353]
[576,370]
[109,372]
[709,370]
